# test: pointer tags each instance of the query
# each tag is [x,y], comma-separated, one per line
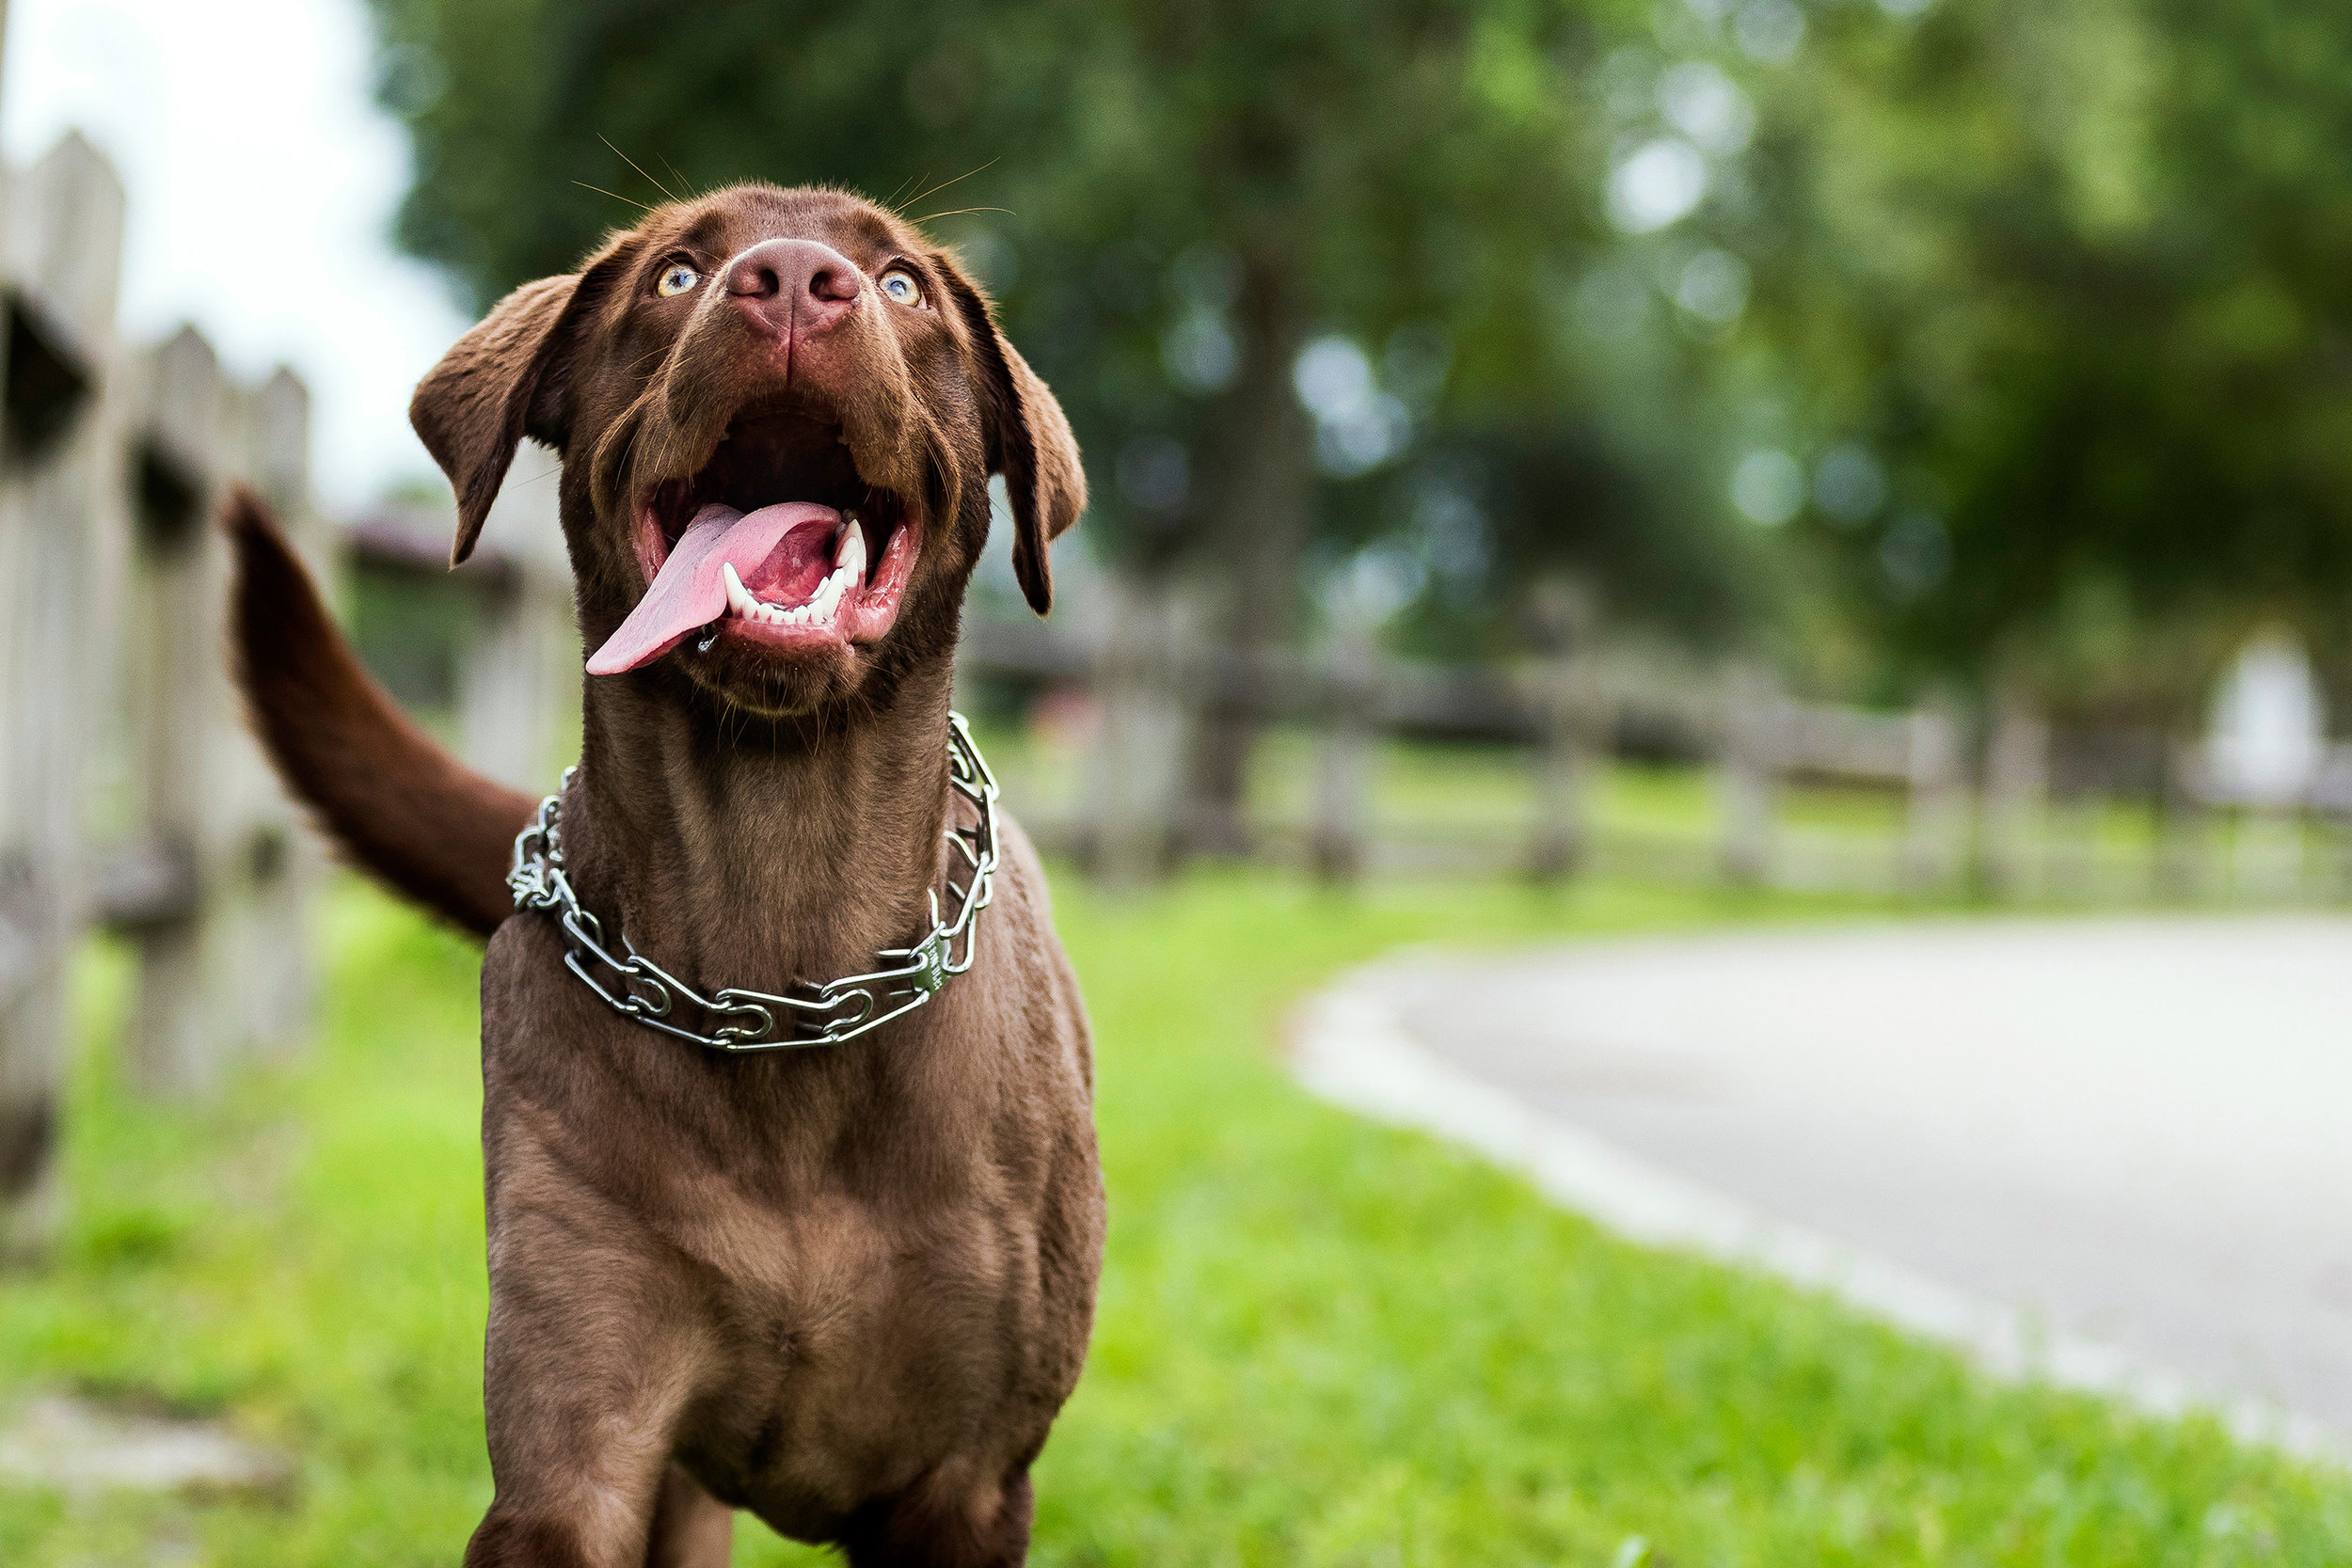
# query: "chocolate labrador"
[794,1204]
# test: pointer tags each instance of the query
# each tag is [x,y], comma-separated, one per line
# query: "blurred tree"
[1285,262]
[2060,313]
[2024,325]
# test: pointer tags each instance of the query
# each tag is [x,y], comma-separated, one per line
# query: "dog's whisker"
[945,183]
[633,164]
[614,195]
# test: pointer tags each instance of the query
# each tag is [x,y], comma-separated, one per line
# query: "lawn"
[1321,1342]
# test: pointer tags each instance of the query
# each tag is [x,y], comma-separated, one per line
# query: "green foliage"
[2047,302]
[1321,1342]
[1170,201]
[2074,276]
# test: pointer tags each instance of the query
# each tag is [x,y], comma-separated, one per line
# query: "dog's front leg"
[594,1349]
[958,1516]
[690,1527]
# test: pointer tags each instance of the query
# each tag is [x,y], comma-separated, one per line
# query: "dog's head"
[778,413]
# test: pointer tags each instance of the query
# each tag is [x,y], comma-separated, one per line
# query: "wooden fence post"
[280,868]
[223,963]
[1565,702]
[2016,787]
[175,635]
[520,668]
[1936,820]
[2184,852]
[1747,773]
[1135,770]
[1343,796]
[63,239]
[512,679]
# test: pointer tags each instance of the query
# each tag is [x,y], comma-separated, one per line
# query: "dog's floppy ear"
[1030,444]
[503,381]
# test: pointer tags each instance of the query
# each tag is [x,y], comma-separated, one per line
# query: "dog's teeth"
[739,599]
[850,557]
[833,589]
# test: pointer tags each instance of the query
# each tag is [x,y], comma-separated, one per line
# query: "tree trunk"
[1261,482]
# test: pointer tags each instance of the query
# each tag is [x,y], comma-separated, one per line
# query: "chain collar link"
[758,1021]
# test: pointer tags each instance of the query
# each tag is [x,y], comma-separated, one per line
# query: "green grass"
[1321,1342]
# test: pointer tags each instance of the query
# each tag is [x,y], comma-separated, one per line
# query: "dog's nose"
[793,285]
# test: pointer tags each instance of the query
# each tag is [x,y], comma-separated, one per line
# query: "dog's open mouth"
[777,541]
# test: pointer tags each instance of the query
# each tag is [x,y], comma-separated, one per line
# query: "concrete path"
[2126,1143]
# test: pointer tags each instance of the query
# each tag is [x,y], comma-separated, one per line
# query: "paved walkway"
[2134,1137]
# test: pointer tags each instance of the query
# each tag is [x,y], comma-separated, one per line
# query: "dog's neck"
[741,851]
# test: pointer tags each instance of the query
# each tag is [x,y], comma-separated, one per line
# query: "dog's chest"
[850,1346]
[837,1326]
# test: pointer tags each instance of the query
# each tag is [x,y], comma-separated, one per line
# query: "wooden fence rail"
[1976,804]
[1561,707]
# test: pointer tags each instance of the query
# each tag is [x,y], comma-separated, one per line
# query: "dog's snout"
[793,285]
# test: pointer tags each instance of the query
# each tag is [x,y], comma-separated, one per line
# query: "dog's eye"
[676,279]
[899,284]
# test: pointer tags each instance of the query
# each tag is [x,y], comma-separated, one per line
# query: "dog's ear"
[1029,443]
[506,379]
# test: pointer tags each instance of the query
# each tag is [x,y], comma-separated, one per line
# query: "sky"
[262,181]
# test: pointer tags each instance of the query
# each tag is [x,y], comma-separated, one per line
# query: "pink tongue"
[689,592]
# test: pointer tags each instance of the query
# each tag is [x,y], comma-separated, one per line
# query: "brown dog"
[846,1287]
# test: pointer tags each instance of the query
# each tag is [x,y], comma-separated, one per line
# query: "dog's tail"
[406,811]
